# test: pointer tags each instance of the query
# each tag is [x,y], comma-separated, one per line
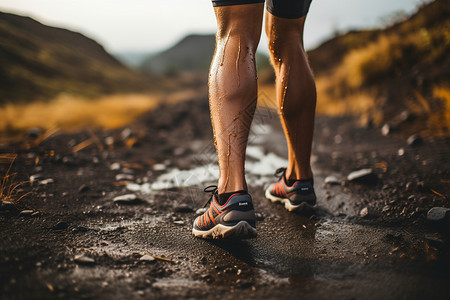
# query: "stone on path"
[438,215]
[366,176]
[127,199]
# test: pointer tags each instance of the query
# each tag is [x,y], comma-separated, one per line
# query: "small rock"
[34,132]
[184,208]
[120,177]
[401,152]
[332,180]
[80,228]
[159,167]
[338,139]
[364,212]
[84,260]
[114,166]
[406,116]
[366,176]
[26,213]
[386,129]
[438,215]
[46,181]
[83,188]
[179,222]
[409,186]
[34,177]
[386,208]
[128,199]
[36,214]
[61,225]
[109,141]
[414,140]
[147,258]
[259,216]
[126,133]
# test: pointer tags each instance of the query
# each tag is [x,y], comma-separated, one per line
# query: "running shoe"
[233,219]
[297,197]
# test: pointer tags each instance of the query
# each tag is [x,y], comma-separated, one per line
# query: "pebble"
[127,199]
[83,188]
[109,141]
[332,180]
[401,152]
[438,215]
[120,177]
[147,258]
[26,213]
[259,216]
[34,177]
[184,208]
[126,133]
[179,222]
[386,129]
[386,208]
[366,176]
[414,140]
[159,167]
[34,132]
[114,166]
[83,259]
[46,181]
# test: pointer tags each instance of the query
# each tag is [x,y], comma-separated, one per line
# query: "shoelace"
[210,189]
[279,172]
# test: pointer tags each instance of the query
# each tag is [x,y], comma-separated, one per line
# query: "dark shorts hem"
[235,2]
[286,15]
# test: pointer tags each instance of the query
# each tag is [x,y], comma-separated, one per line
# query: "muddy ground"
[366,240]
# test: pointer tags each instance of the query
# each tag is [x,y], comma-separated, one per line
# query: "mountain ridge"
[38,62]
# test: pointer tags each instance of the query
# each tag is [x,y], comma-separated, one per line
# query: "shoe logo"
[243,203]
[304,189]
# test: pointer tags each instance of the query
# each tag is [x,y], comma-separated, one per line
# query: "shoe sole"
[242,230]
[287,203]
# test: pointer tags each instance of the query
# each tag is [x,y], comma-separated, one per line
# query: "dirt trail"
[83,244]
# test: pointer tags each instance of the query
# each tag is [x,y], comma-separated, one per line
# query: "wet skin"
[233,89]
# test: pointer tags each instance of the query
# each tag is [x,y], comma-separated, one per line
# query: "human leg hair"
[295,89]
[233,88]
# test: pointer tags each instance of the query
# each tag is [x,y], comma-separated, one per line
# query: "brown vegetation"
[380,73]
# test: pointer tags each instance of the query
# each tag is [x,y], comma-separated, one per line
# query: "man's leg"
[233,89]
[296,92]
[296,96]
[232,100]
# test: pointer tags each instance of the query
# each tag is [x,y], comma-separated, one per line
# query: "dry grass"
[7,183]
[72,113]
[442,118]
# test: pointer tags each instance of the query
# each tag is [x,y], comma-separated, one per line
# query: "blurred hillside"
[191,54]
[399,75]
[38,62]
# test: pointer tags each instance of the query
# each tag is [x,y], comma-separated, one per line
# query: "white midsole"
[287,204]
[241,230]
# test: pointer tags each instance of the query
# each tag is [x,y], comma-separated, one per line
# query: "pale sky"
[150,25]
